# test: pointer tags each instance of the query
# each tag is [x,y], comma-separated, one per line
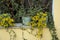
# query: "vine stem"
[12,34]
[29,33]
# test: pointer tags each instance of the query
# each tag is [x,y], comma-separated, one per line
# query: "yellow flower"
[3,19]
[38,14]
[44,25]
[12,20]
[39,21]
[44,14]
[33,24]
[6,19]
[44,19]
[33,18]
[39,24]
[1,23]
[0,17]
[4,14]
[36,17]
[6,25]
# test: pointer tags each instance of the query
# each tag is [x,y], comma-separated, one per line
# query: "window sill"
[18,25]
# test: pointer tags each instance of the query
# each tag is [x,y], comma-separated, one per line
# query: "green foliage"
[9,6]
[32,11]
[3,7]
[14,5]
[21,12]
[51,27]
[6,21]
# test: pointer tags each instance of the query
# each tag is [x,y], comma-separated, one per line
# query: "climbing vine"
[51,27]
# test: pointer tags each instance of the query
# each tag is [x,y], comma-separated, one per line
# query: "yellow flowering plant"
[39,21]
[6,21]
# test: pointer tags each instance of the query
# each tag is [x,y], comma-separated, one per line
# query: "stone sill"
[18,26]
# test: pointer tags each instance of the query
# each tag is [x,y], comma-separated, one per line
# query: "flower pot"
[26,20]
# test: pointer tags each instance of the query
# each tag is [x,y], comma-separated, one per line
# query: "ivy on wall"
[51,27]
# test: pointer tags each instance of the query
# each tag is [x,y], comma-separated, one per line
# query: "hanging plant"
[39,21]
[51,27]
[5,22]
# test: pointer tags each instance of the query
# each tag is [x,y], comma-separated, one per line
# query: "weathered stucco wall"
[4,35]
[57,16]
[46,34]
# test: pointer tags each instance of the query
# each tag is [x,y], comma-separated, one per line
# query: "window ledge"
[18,25]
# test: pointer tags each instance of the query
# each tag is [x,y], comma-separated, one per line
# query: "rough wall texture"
[57,16]
[4,35]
